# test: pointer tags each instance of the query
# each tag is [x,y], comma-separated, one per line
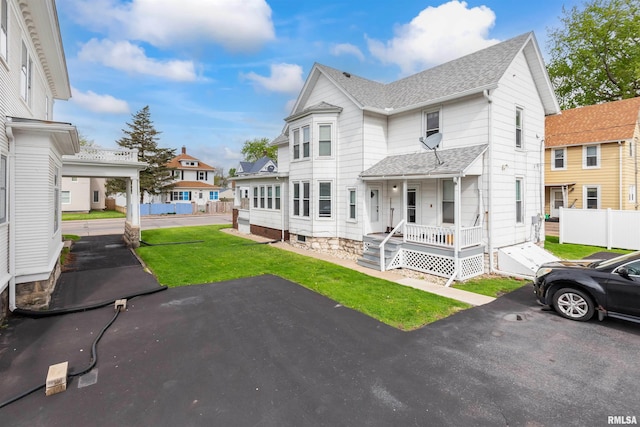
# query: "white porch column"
[128,194]
[456,219]
[405,201]
[135,202]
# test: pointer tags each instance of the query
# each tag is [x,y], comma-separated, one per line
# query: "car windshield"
[622,258]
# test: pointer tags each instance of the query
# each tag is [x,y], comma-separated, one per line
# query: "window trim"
[320,141]
[325,198]
[425,129]
[296,144]
[585,196]
[306,142]
[26,74]
[564,159]
[519,128]
[520,207]
[4,30]
[303,199]
[452,201]
[350,204]
[585,150]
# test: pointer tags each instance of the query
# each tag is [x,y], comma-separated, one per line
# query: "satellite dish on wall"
[431,143]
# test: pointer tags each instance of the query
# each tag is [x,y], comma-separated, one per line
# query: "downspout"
[487,96]
[620,175]
[11,219]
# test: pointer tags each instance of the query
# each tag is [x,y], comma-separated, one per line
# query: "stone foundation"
[343,248]
[269,233]
[4,305]
[37,295]
[131,235]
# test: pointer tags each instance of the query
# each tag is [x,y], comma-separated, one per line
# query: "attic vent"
[347,75]
[270,168]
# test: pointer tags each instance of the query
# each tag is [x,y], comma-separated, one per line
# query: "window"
[631,148]
[519,206]
[448,201]
[4,20]
[214,195]
[202,176]
[181,195]
[296,199]
[432,122]
[519,113]
[306,142]
[296,143]
[255,197]
[324,199]
[46,107]
[591,197]
[200,195]
[301,193]
[411,205]
[56,198]
[3,189]
[269,197]
[65,197]
[632,193]
[352,204]
[25,74]
[324,140]
[559,160]
[277,197]
[74,179]
[262,196]
[591,155]
[96,196]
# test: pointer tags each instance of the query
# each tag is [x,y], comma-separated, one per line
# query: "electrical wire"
[94,346]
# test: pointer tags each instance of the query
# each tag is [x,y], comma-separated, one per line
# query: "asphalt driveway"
[265,351]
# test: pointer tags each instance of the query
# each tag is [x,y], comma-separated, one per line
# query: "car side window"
[633,268]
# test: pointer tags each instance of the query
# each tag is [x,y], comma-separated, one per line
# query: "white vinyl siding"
[3,189]
[4,21]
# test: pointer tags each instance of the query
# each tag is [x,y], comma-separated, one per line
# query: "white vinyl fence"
[600,227]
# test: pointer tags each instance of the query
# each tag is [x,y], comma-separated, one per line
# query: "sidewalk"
[392,276]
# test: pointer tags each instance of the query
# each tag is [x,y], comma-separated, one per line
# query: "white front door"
[374,210]
[557,202]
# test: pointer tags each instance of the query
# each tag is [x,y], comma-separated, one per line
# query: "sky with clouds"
[216,73]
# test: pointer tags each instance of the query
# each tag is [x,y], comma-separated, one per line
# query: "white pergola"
[93,162]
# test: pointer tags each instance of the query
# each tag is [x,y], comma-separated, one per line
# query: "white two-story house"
[193,181]
[33,74]
[354,175]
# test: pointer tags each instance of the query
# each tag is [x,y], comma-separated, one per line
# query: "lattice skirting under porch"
[438,265]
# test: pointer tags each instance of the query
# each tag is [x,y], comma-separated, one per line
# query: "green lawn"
[571,251]
[69,216]
[492,286]
[223,257]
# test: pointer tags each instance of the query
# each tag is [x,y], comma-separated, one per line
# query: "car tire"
[573,304]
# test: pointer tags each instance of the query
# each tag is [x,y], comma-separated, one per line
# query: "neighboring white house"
[351,166]
[80,194]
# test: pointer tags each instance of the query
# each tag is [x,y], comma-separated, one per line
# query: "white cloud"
[237,25]
[285,78]
[128,57]
[347,49]
[436,35]
[99,103]
[229,154]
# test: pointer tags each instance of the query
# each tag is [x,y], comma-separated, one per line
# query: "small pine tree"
[141,135]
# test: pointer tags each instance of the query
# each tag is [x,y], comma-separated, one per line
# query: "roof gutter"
[460,174]
[390,111]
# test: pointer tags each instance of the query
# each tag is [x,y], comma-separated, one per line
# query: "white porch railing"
[107,155]
[442,236]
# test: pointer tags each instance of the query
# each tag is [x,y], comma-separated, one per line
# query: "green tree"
[595,54]
[257,148]
[142,135]
[232,172]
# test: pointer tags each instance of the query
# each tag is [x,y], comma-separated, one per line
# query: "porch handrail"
[384,242]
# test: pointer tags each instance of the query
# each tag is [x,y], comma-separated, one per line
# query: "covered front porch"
[426,213]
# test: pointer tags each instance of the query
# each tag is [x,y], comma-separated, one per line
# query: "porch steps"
[371,256]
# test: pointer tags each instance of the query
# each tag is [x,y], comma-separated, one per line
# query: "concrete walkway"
[392,276]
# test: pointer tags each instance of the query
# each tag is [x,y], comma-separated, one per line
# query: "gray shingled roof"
[255,167]
[474,71]
[455,161]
